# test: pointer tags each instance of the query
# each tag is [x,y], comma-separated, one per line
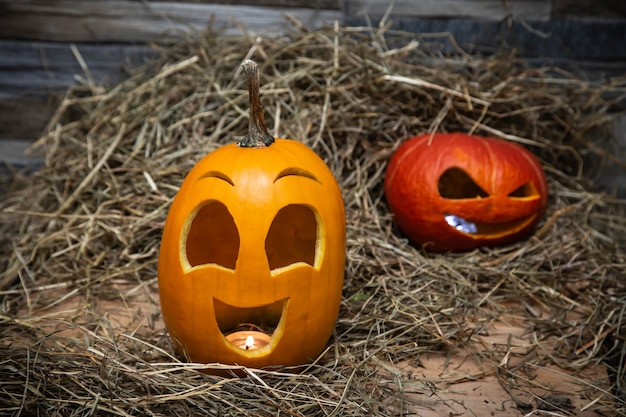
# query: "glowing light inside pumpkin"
[249,340]
[460,224]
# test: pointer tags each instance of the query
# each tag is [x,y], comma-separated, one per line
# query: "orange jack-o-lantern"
[454,192]
[252,255]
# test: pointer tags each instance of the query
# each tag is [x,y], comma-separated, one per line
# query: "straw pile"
[81,329]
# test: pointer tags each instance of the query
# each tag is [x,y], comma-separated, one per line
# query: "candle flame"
[249,342]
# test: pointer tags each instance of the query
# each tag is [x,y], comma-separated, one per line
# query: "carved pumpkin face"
[454,191]
[254,239]
[253,249]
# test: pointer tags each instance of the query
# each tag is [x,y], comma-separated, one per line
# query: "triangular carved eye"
[212,237]
[526,190]
[456,184]
[292,237]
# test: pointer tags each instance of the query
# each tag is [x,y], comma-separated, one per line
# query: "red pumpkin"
[455,192]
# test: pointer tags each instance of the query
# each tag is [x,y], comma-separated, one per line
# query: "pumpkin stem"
[258,136]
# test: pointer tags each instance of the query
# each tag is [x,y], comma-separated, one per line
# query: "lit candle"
[248,340]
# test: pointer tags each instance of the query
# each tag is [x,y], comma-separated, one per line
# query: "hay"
[81,329]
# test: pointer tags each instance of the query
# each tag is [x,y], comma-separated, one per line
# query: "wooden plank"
[14,155]
[24,119]
[310,4]
[599,40]
[142,21]
[610,9]
[35,75]
[481,9]
[36,69]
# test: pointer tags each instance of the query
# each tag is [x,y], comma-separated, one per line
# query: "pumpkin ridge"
[390,175]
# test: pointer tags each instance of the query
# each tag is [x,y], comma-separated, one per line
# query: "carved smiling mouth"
[265,318]
[490,229]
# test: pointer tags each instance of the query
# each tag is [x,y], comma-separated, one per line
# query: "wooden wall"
[608,9]
[42,42]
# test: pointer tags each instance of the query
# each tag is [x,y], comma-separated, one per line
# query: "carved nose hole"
[292,237]
[456,184]
[212,237]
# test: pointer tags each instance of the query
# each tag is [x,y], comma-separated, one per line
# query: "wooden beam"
[15,155]
[609,9]
[600,40]
[34,69]
[35,75]
[143,21]
[309,4]
[23,119]
[481,9]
